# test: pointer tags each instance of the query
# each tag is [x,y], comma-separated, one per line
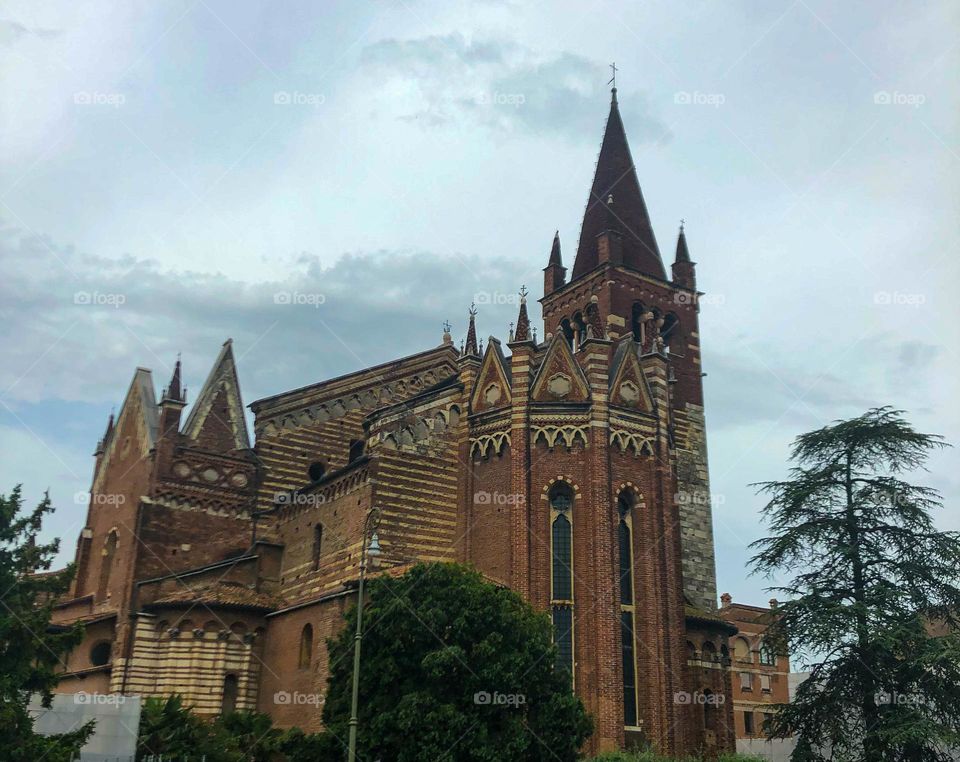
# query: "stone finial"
[725,600]
[774,603]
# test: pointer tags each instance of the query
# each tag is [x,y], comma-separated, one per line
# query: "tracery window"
[561,554]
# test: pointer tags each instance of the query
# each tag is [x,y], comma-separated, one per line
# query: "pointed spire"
[683,254]
[523,321]
[555,258]
[173,391]
[472,348]
[616,176]
[554,274]
[683,270]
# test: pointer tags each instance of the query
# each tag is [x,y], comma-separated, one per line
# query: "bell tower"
[619,287]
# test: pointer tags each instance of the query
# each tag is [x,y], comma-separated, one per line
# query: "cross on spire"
[613,79]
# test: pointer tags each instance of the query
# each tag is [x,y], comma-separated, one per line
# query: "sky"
[169,171]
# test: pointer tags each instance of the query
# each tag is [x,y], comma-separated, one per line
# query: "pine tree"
[874,602]
[30,651]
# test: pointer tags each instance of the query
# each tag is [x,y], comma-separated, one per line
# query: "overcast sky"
[168,168]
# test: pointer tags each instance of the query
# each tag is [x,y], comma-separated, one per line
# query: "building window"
[709,651]
[561,541]
[306,647]
[746,681]
[627,611]
[107,559]
[765,683]
[100,654]
[748,723]
[741,650]
[767,656]
[316,471]
[228,704]
[317,544]
[767,724]
[356,450]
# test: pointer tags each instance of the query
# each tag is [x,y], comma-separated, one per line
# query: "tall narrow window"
[317,544]
[228,704]
[356,450]
[627,609]
[306,647]
[107,559]
[561,541]
[767,656]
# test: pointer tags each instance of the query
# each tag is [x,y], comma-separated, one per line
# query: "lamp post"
[373,551]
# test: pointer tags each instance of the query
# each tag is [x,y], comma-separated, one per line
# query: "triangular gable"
[492,389]
[136,423]
[628,383]
[216,420]
[559,378]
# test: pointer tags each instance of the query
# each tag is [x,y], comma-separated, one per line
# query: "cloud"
[13,31]
[77,325]
[448,80]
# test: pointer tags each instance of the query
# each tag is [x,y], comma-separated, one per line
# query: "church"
[569,466]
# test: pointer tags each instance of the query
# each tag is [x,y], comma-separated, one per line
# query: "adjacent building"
[760,675]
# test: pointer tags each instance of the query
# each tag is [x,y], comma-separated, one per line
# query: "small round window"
[100,653]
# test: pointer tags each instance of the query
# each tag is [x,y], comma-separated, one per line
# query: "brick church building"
[572,468]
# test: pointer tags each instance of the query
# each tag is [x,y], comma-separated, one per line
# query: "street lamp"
[371,551]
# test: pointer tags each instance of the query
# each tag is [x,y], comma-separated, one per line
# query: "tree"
[873,596]
[453,668]
[169,728]
[30,650]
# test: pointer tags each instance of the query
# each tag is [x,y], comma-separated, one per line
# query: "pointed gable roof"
[626,368]
[493,371]
[216,419]
[559,361]
[616,176]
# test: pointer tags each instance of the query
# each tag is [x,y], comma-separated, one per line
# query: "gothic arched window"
[107,558]
[636,320]
[356,449]
[625,503]
[670,333]
[228,703]
[567,330]
[561,553]
[306,647]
